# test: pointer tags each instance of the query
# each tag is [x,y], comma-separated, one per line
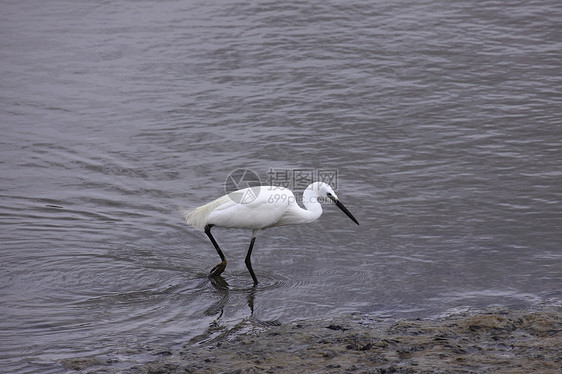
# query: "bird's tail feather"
[198,217]
[195,217]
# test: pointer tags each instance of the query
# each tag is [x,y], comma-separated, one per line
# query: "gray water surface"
[442,121]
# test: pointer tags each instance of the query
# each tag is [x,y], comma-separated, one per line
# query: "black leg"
[249,261]
[217,270]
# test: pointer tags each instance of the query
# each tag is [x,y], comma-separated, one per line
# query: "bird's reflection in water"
[223,290]
[222,326]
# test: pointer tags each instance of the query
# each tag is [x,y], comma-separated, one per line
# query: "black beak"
[343,208]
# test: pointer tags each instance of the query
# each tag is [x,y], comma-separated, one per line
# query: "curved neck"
[310,201]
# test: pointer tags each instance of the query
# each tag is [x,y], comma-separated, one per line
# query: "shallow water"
[441,122]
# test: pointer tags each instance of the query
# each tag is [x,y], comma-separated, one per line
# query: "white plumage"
[258,208]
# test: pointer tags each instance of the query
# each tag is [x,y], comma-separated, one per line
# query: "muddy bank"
[499,341]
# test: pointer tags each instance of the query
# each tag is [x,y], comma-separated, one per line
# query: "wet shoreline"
[492,340]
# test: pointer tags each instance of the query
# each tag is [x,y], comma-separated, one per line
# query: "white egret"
[258,208]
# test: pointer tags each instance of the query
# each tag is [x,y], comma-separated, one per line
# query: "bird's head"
[324,190]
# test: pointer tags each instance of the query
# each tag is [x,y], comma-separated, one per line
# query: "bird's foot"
[217,270]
